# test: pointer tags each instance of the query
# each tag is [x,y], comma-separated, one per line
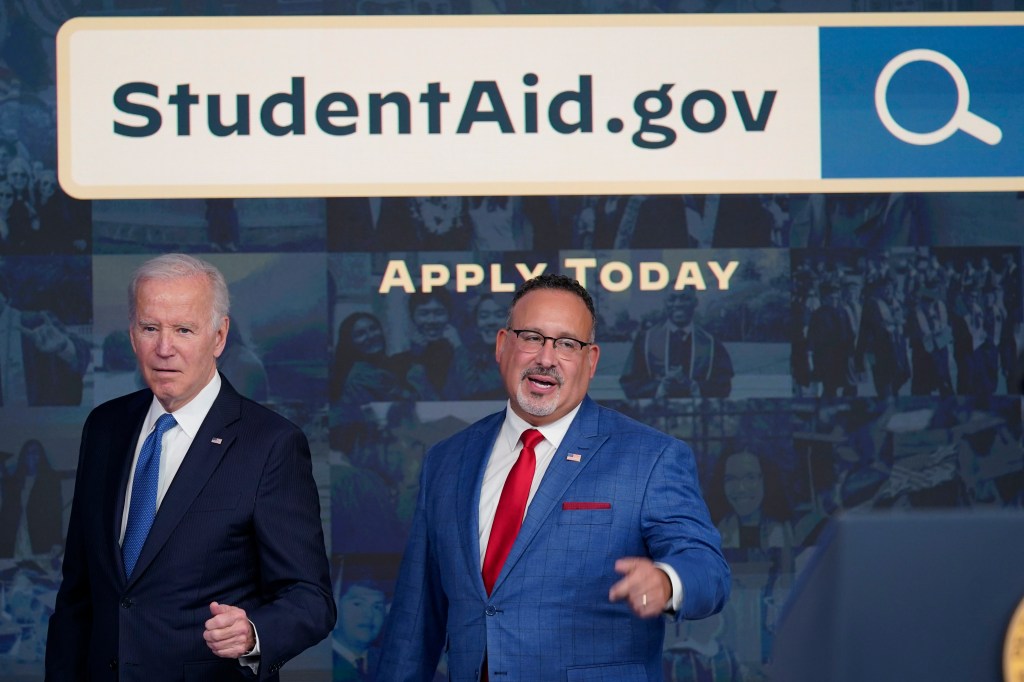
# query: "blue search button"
[926,102]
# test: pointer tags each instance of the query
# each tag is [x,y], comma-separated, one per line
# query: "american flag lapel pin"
[217,441]
[574,457]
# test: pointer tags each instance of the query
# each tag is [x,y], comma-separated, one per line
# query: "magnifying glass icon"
[962,119]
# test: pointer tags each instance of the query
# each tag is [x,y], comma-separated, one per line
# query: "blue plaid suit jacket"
[239,524]
[548,617]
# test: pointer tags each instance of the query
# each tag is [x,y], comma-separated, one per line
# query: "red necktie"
[511,508]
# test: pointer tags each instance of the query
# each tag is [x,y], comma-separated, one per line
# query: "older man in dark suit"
[194,550]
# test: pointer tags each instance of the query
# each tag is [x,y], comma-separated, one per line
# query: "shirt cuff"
[676,599]
[251,660]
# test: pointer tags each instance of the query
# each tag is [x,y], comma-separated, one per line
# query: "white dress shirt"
[504,455]
[177,440]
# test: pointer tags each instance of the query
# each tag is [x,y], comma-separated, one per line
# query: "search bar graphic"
[922,102]
[962,118]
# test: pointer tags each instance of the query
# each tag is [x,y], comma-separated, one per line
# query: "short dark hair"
[558,282]
[367,583]
[418,298]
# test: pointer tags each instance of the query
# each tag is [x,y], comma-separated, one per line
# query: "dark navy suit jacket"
[239,524]
[614,488]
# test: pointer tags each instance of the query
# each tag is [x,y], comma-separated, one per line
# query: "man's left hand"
[644,586]
[229,633]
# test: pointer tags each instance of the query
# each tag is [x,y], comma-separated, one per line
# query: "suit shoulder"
[620,425]
[253,413]
[116,408]
[455,442]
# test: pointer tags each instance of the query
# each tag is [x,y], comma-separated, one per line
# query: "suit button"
[112,664]
[127,603]
[490,610]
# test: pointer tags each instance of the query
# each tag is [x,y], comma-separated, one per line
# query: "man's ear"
[595,355]
[222,337]
[499,343]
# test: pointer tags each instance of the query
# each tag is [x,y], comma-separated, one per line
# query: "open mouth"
[542,380]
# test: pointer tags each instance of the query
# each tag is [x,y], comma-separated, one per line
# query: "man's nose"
[546,356]
[165,343]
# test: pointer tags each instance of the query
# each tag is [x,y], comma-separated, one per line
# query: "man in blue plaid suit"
[615,532]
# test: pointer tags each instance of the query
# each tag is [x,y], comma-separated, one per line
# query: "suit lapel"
[200,461]
[122,444]
[471,476]
[583,439]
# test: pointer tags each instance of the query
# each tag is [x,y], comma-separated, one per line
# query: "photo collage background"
[866,355]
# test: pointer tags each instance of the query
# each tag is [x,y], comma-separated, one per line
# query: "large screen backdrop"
[865,354]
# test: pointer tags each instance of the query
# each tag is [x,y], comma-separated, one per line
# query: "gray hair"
[179,266]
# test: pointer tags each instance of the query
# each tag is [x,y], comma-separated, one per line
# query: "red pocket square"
[573,506]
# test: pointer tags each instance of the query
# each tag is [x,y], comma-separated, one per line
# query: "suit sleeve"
[68,633]
[299,608]
[414,633]
[678,531]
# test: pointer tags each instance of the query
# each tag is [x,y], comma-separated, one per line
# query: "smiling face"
[544,387]
[490,318]
[681,306]
[174,337]
[367,337]
[430,319]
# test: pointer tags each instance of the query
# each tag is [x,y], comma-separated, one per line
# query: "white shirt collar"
[514,426]
[189,416]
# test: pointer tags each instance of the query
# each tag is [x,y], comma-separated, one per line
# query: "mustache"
[549,372]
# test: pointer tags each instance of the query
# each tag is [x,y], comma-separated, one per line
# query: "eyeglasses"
[565,347]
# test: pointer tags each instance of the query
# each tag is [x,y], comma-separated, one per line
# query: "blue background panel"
[922,97]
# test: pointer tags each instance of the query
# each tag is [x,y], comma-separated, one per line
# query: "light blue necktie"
[143,505]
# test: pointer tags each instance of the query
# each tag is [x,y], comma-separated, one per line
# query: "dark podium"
[905,597]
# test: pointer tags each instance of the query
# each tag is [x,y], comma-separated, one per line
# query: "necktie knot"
[164,424]
[531,438]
